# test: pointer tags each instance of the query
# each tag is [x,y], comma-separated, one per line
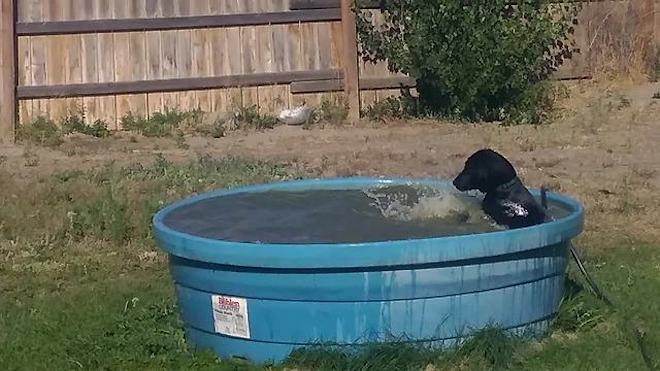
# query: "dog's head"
[485,170]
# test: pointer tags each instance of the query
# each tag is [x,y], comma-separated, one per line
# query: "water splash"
[413,203]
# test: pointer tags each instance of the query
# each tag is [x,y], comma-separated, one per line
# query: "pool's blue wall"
[439,289]
[438,302]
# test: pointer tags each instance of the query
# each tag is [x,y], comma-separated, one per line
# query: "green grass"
[161,124]
[393,108]
[173,122]
[75,123]
[82,286]
[40,131]
[250,118]
[331,111]
[49,133]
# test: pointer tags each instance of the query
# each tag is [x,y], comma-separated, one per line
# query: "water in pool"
[333,216]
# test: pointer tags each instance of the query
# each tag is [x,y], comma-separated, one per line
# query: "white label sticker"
[230,316]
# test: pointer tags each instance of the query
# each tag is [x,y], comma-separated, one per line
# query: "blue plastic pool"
[260,301]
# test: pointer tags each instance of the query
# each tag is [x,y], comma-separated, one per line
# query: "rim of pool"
[364,254]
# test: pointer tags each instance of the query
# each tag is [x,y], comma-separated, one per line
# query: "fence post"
[7,72]
[350,59]
[655,8]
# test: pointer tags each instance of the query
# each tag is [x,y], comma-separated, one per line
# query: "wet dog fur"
[507,201]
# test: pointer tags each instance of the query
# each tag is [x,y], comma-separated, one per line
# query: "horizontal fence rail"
[175,23]
[173,85]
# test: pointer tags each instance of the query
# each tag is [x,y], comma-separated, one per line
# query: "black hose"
[639,337]
[587,276]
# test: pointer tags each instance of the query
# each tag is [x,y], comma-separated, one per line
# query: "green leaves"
[479,61]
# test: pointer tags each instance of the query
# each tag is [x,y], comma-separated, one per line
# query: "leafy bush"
[250,118]
[402,107]
[46,132]
[334,112]
[75,123]
[483,61]
[160,124]
[41,131]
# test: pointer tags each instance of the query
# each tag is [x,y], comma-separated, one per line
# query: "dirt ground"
[602,149]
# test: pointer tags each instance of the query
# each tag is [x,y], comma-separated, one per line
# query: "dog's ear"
[481,179]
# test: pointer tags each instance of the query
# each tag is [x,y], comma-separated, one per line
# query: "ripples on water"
[334,216]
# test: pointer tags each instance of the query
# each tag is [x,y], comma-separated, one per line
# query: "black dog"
[507,200]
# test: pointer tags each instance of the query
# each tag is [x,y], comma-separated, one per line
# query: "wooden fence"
[111,57]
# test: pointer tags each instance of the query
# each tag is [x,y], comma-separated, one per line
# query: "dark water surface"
[332,216]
